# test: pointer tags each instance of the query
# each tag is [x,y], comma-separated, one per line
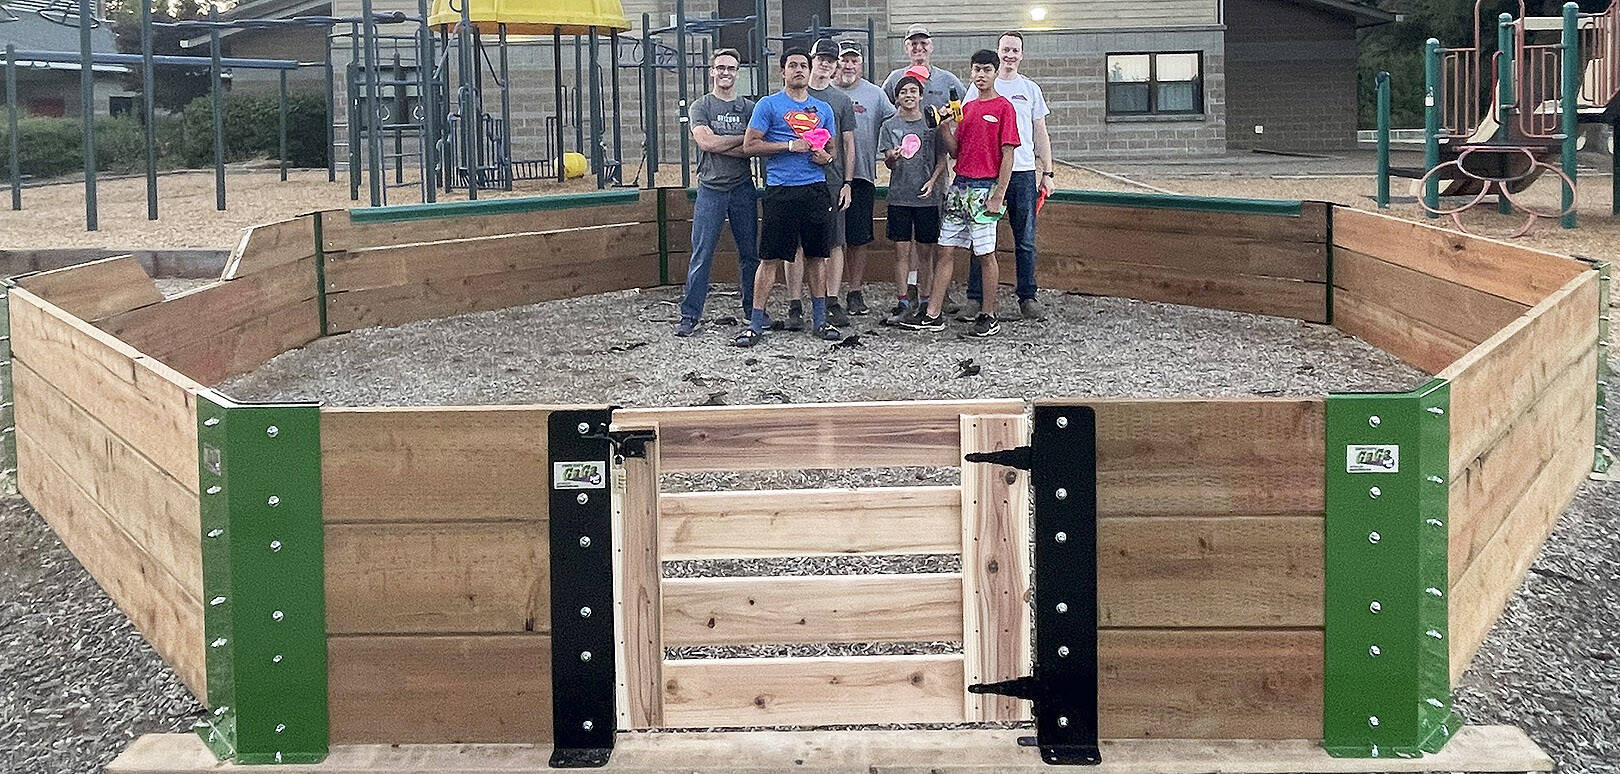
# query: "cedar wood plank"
[1458,309]
[271,246]
[340,233]
[97,289]
[995,567]
[810,522]
[924,607]
[1414,341]
[638,593]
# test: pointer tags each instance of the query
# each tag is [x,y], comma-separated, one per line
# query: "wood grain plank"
[1497,381]
[1164,242]
[638,593]
[1414,341]
[154,509]
[1482,497]
[1234,571]
[156,602]
[243,348]
[1471,315]
[177,323]
[1310,226]
[424,262]
[399,304]
[924,607]
[97,289]
[439,689]
[1511,271]
[139,400]
[437,578]
[1277,296]
[1216,456]
[700,693]
[340,233]
[995,567]
[473,463]
[820,435]
[811,522]
[271,246]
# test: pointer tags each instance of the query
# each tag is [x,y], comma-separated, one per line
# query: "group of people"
[822,137]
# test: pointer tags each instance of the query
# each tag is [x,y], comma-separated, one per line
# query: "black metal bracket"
[1062,460]
[626,443]
[584,716]
[1021,457]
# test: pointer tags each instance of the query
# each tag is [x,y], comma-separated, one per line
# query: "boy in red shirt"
[982,143]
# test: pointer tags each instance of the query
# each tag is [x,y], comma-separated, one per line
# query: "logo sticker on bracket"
[1376,458]
[590,474]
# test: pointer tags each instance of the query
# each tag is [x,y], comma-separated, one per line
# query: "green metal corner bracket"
[263,580]
[8,413]
[1387,680]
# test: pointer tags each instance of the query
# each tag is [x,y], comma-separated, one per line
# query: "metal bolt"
[584,655]
[1374,537]
[1061,537]
[211,421]
[272,431]
[1375,492]
[1436,410]
[277,615]
[1062,422]
[1374,421]
[1372,720]
[276,659]
[1063,651]
[587,725]
[214,489]
[275,545]
[1063,722]
[273,500]
[1063,607]
[214,533]
[1375,651]
[1436,480]
[1376,607]
[217,601]
[584,427]
[583,498]
[584,612]
[219,643]
[584,541]
[1062,494]
[1435,633]
[280,727]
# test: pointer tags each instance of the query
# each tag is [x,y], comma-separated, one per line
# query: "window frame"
[1152,83]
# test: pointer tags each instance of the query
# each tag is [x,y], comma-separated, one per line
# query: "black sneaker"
[856,303]
[795,316]
[985,325]
[685,328]
[835,312]
[924,322]
[828,333]
[898,314]
[748,338]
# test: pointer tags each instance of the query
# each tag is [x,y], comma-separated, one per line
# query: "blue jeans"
[1020,206]
[713,208]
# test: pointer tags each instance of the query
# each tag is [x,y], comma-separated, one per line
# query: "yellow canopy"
[535,17]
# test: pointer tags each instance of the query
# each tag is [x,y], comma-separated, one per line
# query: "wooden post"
[995,567]
[638,600]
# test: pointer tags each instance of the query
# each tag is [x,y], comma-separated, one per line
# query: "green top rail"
[1158,201]
[506,206]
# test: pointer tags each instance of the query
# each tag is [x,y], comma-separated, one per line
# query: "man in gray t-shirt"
[725,189]
[840,171]
[939,84]
[872,108]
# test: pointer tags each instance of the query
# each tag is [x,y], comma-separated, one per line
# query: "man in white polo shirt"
[1032,158]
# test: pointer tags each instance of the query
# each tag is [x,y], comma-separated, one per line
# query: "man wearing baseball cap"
[940,86]
[872,108]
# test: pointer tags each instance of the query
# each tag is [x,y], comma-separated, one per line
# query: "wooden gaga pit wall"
[1223,526]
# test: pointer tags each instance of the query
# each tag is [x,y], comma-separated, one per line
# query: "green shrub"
[250,129]
[49,147]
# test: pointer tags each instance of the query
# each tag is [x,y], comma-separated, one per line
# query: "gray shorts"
[838,236]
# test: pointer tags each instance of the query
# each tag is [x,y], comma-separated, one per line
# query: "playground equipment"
[1499,140]
[1317,568]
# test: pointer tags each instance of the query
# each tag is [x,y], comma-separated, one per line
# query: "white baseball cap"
[917,31]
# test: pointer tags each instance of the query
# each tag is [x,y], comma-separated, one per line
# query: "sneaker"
[951,306]
[985,325]
[897,314]
[835,312]
[969,312]
[828,333]
[1031,309]
[748,338]
[856,303]
[925,323]
[685,328]
[795,316]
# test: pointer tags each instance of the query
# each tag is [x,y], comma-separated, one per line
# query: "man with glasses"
[725,189]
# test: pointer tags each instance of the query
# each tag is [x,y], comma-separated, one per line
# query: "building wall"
[305,44]
[1292,70]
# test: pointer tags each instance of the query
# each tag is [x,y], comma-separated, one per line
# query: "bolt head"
[1061,537]
[1372,720]
[587,725]
[584,612]
[276,659]
[275,545]
[1062,422]
[1063,722]
[1374,421]
[1375,493]
[280,727]
[584,427]
[1374,537]
[584,655]
[583,498]
[273,501]
[277,615]
[1376,607]
[584,541]
[272,431]
[1063,651]
[1062,494]
[1063,607]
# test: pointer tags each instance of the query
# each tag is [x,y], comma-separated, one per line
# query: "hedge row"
[49,147]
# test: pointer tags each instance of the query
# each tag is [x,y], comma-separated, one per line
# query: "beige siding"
[981,15]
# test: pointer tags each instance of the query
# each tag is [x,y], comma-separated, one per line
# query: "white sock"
[911,279]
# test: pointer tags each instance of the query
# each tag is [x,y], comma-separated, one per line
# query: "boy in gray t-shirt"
[915,157]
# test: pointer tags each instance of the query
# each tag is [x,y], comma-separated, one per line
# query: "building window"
[738,36]
[798,15]
[1155,84]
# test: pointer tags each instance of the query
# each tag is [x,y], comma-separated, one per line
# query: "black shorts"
[858,218]
[913,224]
[795,216]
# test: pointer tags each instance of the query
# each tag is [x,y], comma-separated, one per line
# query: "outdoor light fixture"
[1038,13]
